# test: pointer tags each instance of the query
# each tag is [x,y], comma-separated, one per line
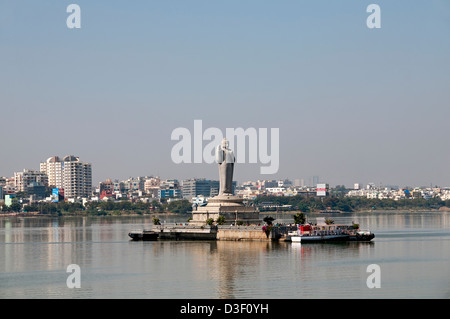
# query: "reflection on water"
[412,249]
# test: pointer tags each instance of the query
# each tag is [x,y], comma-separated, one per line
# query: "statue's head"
[225,143]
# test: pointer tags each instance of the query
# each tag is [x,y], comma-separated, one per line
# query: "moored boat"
[143,235]
[362,235]
[324,233]
[330,211]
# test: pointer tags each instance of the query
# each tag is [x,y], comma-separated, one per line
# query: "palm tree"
[268,220]
[299,218]
[220,220]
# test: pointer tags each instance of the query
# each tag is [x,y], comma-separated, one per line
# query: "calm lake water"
[411,249]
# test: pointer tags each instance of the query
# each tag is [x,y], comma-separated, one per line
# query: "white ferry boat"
[321,233]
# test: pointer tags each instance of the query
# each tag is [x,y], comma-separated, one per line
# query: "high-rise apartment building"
[53,168]
[71,174]
[77,177]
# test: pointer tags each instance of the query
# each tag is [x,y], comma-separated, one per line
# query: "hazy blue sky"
[353,104]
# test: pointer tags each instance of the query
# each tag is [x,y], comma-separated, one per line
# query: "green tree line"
[349,204]
[300,203]
[102,208]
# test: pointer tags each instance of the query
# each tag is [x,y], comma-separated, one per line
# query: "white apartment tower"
[77,177]
[52,167]
[71,174]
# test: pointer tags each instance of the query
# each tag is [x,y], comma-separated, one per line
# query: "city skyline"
[352,104]
[51,178]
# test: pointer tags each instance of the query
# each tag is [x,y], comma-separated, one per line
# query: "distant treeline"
[264,203]
[345,204]
[107,208]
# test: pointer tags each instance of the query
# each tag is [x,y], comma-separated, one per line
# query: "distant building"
[151,183]
[169,188]
[169,192]
[36,190]
[169,183]
[284,183]
[119,187]
[9,199]
[69,173]
[23,179]
[77,178]
[276,190]
[202,187]
[153,191]
[106,189]
[267,184]
[53,168]
[315,180]
[134,184]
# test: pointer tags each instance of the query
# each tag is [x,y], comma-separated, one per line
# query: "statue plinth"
[226,200]
[229,206]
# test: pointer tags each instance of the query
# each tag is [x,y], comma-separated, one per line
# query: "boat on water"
[143,235]
[325,233]
[330,211]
